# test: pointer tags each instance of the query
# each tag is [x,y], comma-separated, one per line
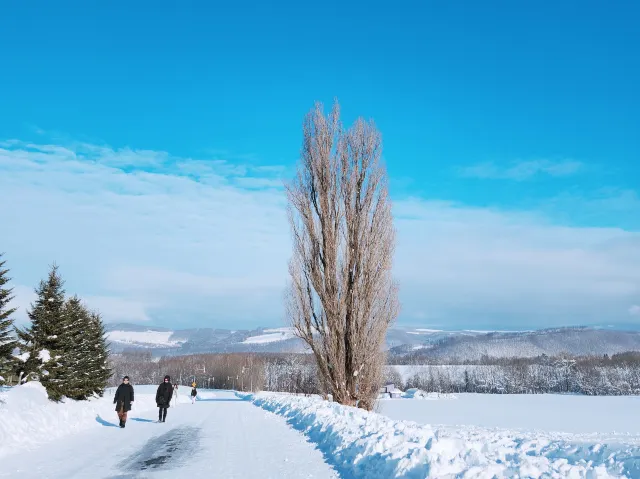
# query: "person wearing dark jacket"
[123,400]
[194,393]
[163,398]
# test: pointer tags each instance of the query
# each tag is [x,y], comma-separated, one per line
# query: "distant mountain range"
[428,343]
[575,341]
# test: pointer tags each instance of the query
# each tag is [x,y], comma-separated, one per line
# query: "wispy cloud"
[603,206]
[147,235]
[521,170]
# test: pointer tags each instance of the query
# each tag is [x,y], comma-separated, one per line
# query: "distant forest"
[296,373]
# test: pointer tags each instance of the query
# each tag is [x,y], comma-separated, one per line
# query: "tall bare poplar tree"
[342,298]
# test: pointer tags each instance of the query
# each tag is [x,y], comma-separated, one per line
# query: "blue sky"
[147,144]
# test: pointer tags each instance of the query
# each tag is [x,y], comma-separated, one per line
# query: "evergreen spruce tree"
[7,340]
[85,361]
[44,339]
[98,364]
[75,343]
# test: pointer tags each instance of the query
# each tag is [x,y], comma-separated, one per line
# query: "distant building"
[391,391]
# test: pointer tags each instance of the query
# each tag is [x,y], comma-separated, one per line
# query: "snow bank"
[362,444]
[415,393]
[28,418]
[205,394]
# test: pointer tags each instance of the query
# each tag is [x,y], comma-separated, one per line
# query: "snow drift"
[362,444]
[28,418]
[415,393]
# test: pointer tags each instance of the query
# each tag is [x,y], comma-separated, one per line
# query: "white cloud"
[522,170]
[23,296]
[144,235]
[116,307]
[478,263]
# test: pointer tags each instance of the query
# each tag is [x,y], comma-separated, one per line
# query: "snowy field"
[270,435]
[370,445]
[611,415]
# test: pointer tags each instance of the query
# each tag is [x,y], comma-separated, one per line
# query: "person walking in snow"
[123,400]
[194,393]
[163,398]
[175,394]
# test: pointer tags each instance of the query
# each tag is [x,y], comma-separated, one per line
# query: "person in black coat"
[163,398]
[123,400]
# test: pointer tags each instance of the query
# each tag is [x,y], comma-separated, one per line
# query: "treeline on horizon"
[618,374]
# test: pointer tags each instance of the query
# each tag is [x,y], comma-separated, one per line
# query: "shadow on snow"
[101,421]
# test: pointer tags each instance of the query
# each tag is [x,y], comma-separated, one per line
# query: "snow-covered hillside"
[144,339]
[202,340]
[432,343]
[271,335]
[472,345]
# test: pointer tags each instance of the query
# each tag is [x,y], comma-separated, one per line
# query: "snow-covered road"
[269,435]
[222,436]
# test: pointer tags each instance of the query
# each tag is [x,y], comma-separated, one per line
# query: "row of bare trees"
[221,371]
[594,376]
[293,373]
[298,373]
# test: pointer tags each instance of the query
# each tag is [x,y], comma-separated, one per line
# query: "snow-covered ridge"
[421,331]
[270,336]
[421,341]
[362,444]
[149,338]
